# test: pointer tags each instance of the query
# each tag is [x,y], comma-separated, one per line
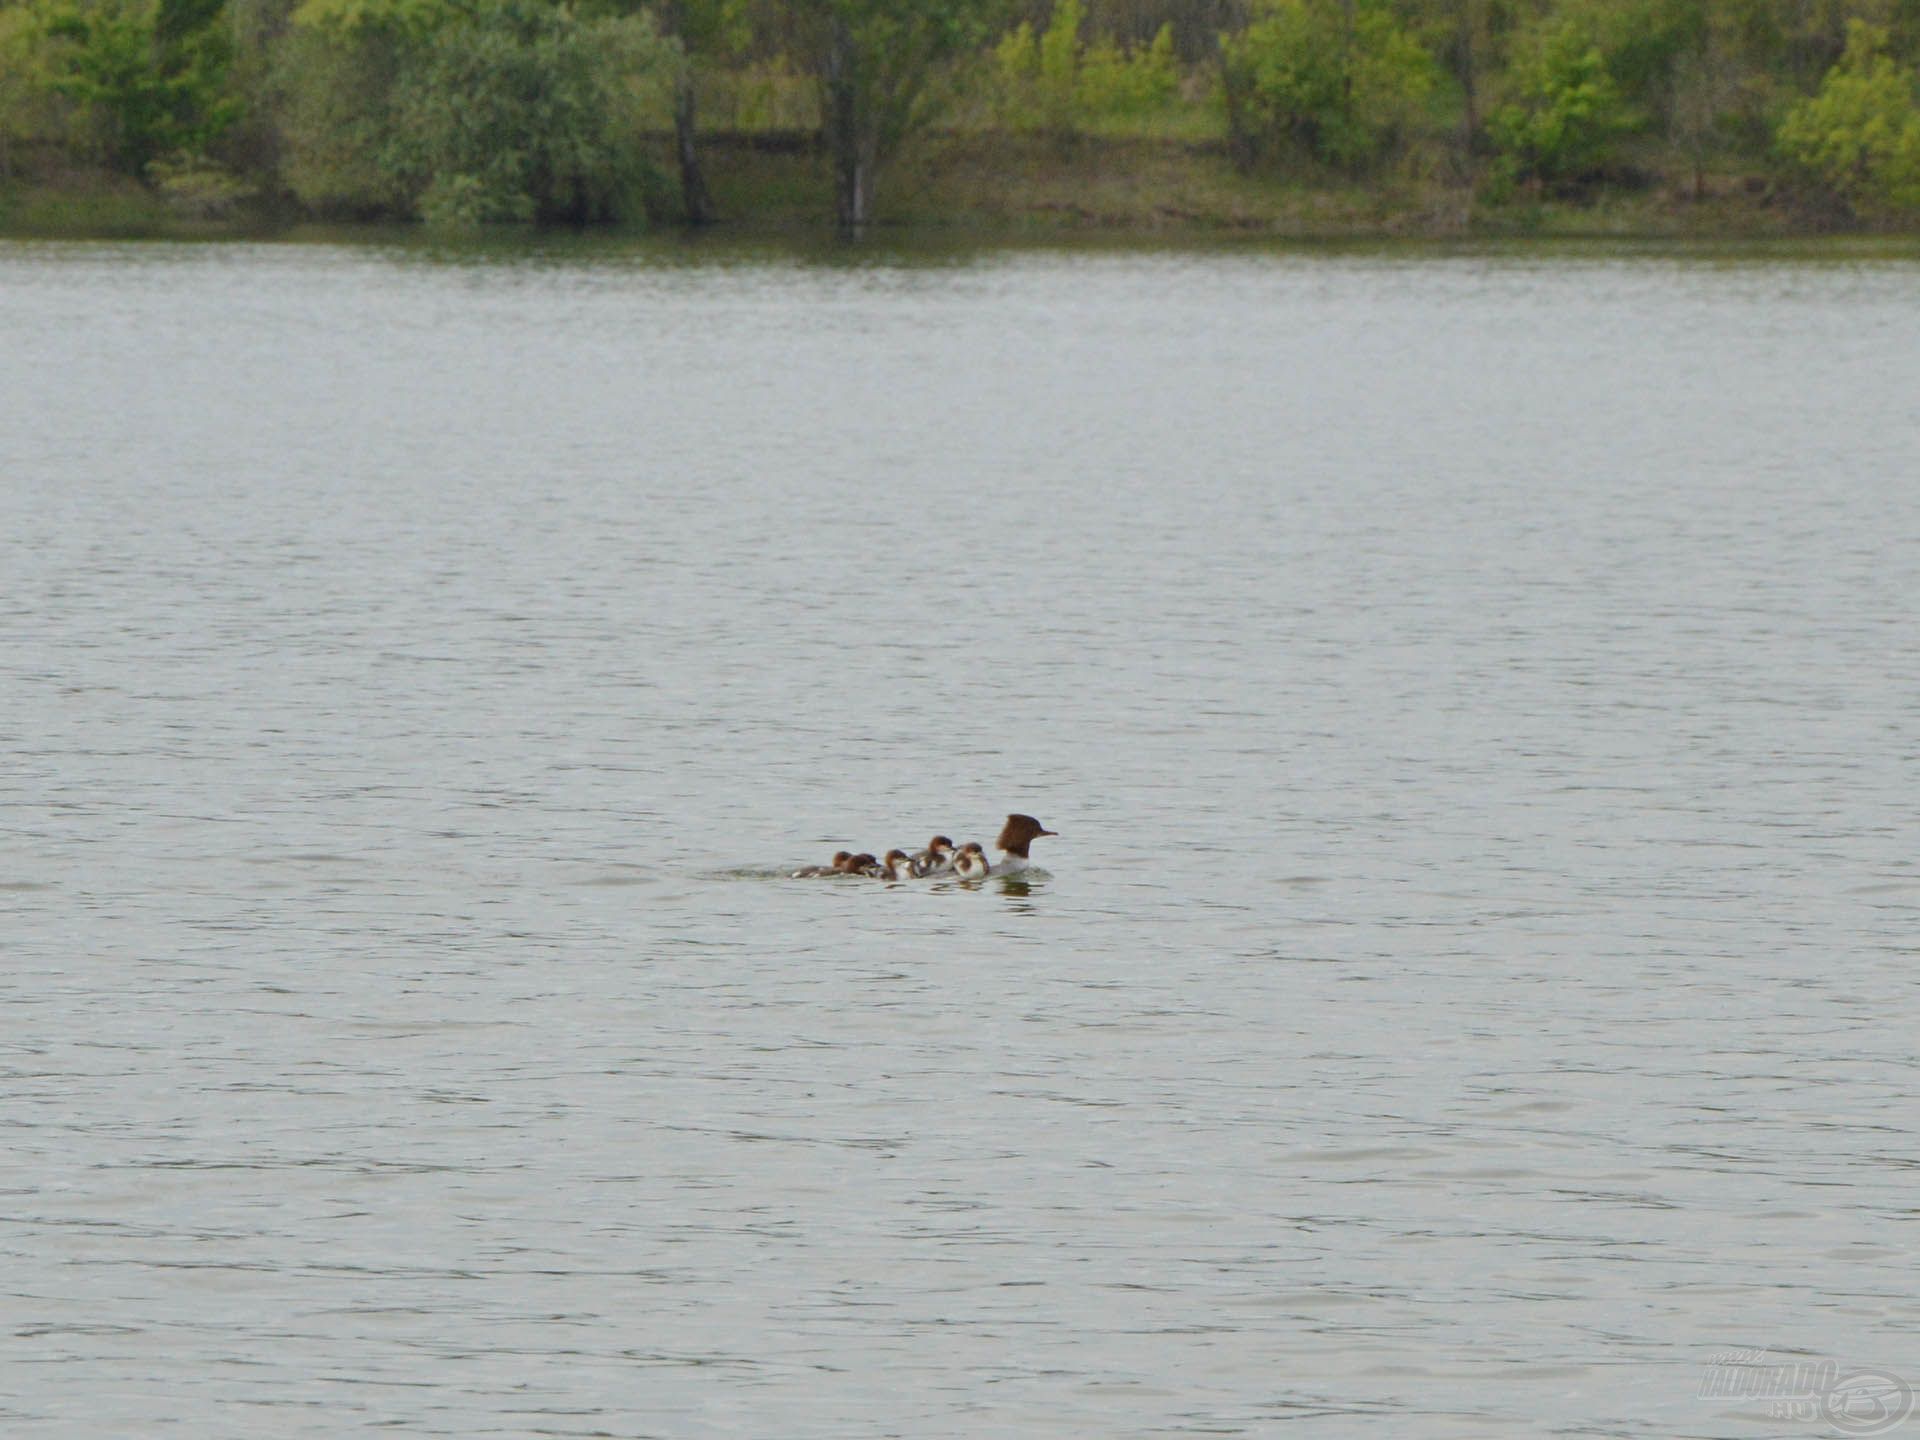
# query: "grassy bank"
[1000,183]
[1023,185]
[102,206]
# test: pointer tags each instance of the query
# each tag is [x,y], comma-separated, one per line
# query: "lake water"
[1472,992]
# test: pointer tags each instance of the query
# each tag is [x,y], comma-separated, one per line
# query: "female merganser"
[896,866]
[971,862]
[936,859]
[1019,832]
[865,864]
[838,867]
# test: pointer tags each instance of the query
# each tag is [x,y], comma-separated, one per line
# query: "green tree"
[152,72]
[878,63]
[1859,137]
[524,112]
[1709,90]
[338,77]
[1055,83]
[1056,66]
[29,118]
[704,31]
[473,111]
[1340,80]
[1120,82]
[1566,113]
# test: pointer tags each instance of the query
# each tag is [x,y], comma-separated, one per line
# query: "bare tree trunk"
[857,207]
[1469,71]
[1241,147]
[693,180]
[850,146]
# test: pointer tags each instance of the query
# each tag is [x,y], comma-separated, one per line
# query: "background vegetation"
[1437,113]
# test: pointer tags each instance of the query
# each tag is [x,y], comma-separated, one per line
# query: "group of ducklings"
[969,861]
[941,857]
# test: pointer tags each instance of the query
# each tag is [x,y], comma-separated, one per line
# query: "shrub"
[29,118]
[525,113]
[1054,83]
[196,187]
[1118,83]
[509,112]
[1566,113]
[1344,83]
[337,86]
[1859,137]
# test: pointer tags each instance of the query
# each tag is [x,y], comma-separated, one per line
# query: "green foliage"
[150,75]
[1015,62]
[707,30]
[1566,113]
[1122,83]
[1860,135]
[1678,66]
[887,58]
[193,186]
[336,86]
[1639,41]
[395,21]
[507,111]
[1055,63]
[27,102]
[476,111]
[765,95]
[525,113]
[1055,83]
[881,64]
[1342,82]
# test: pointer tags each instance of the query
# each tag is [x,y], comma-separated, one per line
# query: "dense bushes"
[335,86]
[1860,136]
[504,110]
[1337,82]
[1565,113]
[524,112]
[1059,83]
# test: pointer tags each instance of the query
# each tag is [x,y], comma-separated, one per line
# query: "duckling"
[838,867]
[936,859]
[971,862]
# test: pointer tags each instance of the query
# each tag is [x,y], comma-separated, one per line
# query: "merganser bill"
[936,859]
[1016,835]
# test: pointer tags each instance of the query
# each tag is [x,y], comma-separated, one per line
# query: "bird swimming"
[971,862]
[936,859]
[1016,835]
[837,867]
[941,857]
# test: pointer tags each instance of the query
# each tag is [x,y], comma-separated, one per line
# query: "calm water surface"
[1473,990]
